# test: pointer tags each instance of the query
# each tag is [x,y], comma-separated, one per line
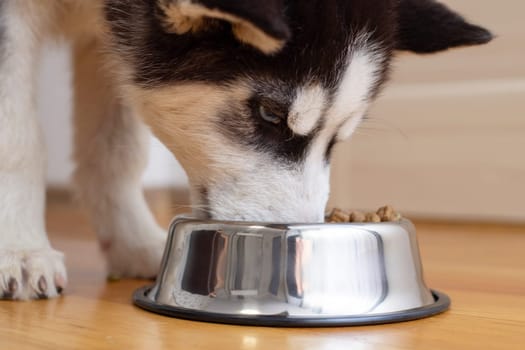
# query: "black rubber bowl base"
[441,304]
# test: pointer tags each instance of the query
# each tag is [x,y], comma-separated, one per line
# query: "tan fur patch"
[247,33]
[180,115]
[184,16]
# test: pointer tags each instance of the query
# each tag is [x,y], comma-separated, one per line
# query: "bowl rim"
[188,219]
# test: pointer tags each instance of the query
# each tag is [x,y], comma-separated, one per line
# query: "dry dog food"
[383,214]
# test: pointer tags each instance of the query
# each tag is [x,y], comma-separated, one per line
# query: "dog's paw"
[130,257]
[31,274]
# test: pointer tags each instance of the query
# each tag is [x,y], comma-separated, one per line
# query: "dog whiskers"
[205,209]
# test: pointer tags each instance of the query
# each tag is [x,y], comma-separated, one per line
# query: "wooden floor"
[481,267]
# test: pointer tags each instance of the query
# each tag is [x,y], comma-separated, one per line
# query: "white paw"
[135,256]
[31,274]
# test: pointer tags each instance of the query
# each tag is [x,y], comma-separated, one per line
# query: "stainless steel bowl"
[291,274]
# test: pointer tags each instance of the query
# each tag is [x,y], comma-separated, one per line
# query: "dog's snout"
[264,201]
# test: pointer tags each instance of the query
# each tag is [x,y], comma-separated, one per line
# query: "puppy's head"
[251,96]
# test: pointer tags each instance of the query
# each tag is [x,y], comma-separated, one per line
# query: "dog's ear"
[261,24]
[426,26]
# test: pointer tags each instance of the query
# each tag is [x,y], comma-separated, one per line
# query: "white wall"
[55,106]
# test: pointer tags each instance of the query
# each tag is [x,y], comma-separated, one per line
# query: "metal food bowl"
[291,274]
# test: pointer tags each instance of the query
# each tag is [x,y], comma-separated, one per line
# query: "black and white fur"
[250,96]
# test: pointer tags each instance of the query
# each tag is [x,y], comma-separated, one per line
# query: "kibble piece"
[337,215]
[340,215]
[372,217]
[386,213]
[357,216]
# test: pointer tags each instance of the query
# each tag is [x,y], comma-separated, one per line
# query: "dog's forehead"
[336,58]
[324,33]
[342,56]
[317,107]
[321,33]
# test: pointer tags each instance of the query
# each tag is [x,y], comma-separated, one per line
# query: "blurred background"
[445,141]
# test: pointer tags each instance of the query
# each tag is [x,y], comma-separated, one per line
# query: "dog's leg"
[111,147]
[29,267]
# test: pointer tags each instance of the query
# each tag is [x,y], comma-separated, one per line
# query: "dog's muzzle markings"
[250,96]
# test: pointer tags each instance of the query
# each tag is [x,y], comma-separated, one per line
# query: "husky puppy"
[250,96]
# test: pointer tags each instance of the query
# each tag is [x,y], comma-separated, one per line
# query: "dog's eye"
[269,116]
